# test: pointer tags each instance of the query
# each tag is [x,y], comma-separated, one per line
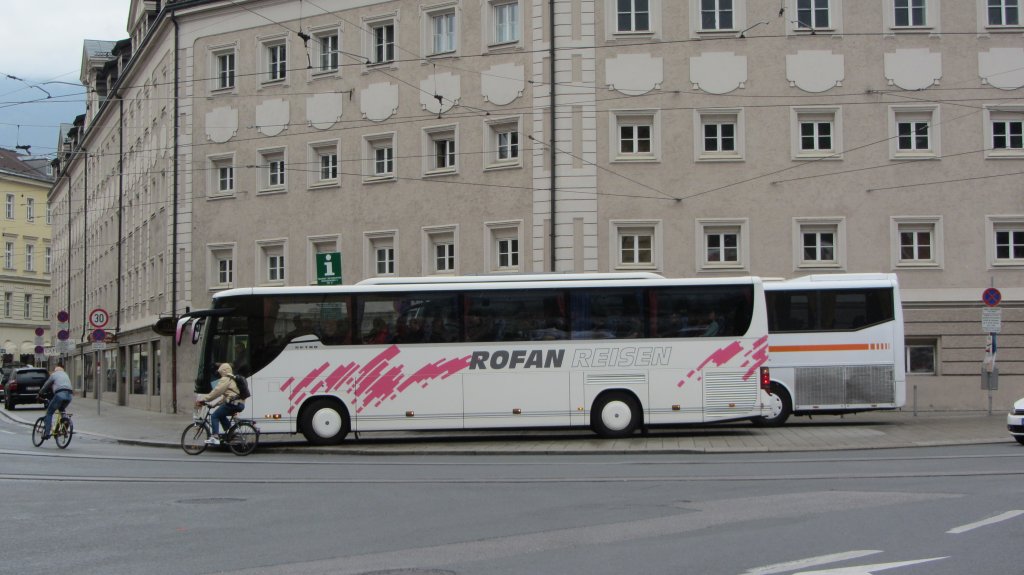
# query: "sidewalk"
[870,430]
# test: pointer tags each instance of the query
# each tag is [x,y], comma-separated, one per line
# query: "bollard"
[915,400]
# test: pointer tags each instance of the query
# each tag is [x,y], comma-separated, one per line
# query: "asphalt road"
[102,508]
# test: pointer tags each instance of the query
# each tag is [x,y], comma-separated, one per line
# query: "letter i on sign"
[328,267]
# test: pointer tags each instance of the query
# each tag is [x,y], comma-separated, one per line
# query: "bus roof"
[487,278]
[834,281]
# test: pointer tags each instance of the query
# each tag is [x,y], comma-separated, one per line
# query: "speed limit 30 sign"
[99,317]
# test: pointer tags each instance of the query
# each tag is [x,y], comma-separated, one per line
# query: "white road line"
[7,432]
[984,522]
[810,562]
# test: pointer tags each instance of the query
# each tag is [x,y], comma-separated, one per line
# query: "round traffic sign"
[39,331]
[63,316]
[63,335]
[99,317]
[991,297]
[39,349]
[99,335]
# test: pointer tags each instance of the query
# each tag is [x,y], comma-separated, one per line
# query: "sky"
[41,41]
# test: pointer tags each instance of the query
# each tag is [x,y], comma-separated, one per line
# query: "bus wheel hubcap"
[616,416]
[774,405]
[326,422]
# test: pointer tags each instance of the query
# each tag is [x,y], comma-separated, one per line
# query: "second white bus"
[614,352]
[835,345]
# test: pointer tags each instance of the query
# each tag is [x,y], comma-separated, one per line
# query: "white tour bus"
[835,345]
[611,351]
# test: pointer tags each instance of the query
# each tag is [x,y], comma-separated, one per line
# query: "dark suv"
[23,386]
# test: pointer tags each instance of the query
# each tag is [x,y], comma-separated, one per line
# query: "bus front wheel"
[779,405]
[324,422]
[615,414]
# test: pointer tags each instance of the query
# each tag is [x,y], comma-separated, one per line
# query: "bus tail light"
[766,379]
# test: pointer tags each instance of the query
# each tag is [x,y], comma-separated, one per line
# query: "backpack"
[243,387]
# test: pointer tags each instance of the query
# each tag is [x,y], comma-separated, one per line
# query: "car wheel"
[780,407]
[324,422]
[8,404]
[615,414]
[1019,438]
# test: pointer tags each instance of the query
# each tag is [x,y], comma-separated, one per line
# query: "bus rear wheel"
[324,422]
[615,414]
[780,407]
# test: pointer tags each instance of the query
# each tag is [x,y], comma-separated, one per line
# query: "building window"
[380,157]
[383,161]
[442,32]
[30,205]
[440,244]
[723,244]
[275,268]
[8,255]
[915,245]
[27,314]
[444,257]
[1008,135]
[222,170]
[813,15]
[716,14]
[505,17]
[819,245]
[9,206]
[636,135]
[273,169]
[441,154]
[222,266]
[383,43]
[328,166]
[381,254]
[918,242]
[273,262]
[30,258]
[277,62]
[1003,12]
[503,139]
[323,155]
[8,301]
[329,51]
[720,135]
[49,216]
[908,13]
[817,133]
[921,357]
[504,246]
[47,259]
[914,132]
[818,242]
[46,307]
[225,70]
[384,257]
[633,16]
[636,248]
[1009,244]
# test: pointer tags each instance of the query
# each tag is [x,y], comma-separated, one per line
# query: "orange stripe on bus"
[828,347]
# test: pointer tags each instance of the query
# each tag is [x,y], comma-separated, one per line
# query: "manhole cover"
[207,500]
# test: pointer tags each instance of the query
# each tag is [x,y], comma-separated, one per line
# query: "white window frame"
[493,38]
[8,301]
[995,114]
[835,226]
[27,312]
[273,71]
[371,143]
[215,164]
[915,115]
[428,18]
[922,343]
[47,259]
[8,254]
[995,224]
[706,226]
[620,119]
[317,152]
[318,245]
[46,307]
[273,163]
[916,225]
[9,206]
[30,209]
[739,19]
[218,82]
[617,229]
[932,12]
[795,27]
[370,25]
[333,56]
[440,236]
[654,15]
[434,136]
[817,115]
[272,263]
[500,234]
[30,257]
[215,254]
[719,116]
[372,243]
[983,8]
[493,130]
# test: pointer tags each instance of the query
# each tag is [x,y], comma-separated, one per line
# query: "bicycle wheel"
[193,439]
[243,438]
[64,432]
[37,431]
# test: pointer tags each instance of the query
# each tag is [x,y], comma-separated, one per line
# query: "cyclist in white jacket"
[60,385]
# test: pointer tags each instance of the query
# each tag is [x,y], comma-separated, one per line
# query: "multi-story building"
[25,262]
[690,138]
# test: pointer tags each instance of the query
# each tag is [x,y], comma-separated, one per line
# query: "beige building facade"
[693,138]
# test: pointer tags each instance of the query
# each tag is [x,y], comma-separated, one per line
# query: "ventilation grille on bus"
[727,393]
[615,379]
[845,385]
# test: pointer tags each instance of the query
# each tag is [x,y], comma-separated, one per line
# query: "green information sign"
[328,268]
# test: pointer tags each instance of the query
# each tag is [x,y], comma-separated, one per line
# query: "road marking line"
[810,562]
[7,432]
[869,569]
[984,522]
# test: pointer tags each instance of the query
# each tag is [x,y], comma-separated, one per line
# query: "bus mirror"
[182,323]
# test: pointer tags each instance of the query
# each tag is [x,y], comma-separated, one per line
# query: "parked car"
[23,386]
[1015,421]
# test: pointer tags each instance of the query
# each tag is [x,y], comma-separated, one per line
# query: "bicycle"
[241,437]
[63,429]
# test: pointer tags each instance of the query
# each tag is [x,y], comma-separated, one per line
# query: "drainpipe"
[174,229]
[120,204]
[551,146]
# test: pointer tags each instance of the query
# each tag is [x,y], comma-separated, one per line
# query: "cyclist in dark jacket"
[60,385]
